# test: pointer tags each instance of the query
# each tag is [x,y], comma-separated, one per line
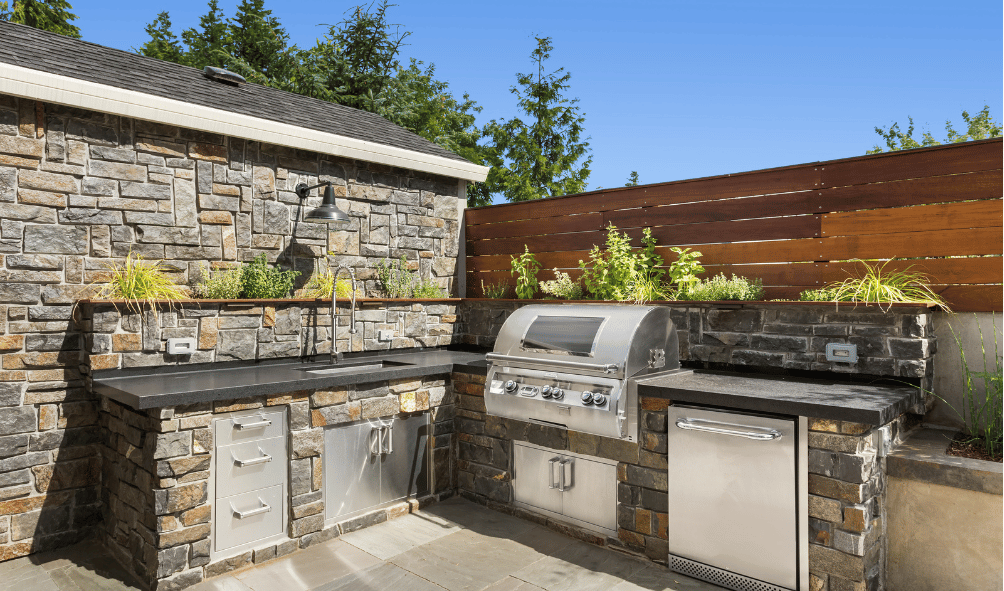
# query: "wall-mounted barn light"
[328,212]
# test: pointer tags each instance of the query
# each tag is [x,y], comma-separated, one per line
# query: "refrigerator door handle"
[706,426]
[561,482]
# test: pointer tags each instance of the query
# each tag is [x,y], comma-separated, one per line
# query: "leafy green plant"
[983,407]
[525,268]
[260,280]
[562,287]
[427,288]
[876,285]
[138,281]
[399,282]
[684,270]
[620,272]
[395,278]
[319,285]
[721,288]
[221,284]
[495,291]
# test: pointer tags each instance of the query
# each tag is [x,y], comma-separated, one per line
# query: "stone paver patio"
[455,545]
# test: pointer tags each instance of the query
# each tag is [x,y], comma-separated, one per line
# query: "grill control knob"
[510,386]
[545,392]
[599,399]
[557,393]
[587,398]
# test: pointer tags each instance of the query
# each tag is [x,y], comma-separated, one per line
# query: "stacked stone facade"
[119,337]
[156,485]
[80,190]
[896,341]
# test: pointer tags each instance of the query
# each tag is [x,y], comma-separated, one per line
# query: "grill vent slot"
[718,576]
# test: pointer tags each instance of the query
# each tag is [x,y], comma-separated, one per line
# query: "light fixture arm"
[302,190]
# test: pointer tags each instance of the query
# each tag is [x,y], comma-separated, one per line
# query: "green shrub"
[138,282]
[221,284]
[876,285]
[611,273]
[721,288]
[562,287]
[496,291]
[427,288]
[684,271]
[525,268]
[262,281]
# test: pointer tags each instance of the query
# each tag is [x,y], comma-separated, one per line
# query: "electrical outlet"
[842,352]
[385,335]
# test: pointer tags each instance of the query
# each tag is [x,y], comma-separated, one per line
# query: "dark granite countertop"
[155,387]
[824,399]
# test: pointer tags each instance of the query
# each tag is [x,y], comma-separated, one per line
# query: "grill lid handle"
[604,367]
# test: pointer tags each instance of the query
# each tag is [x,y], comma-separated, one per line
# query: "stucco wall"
[949,378]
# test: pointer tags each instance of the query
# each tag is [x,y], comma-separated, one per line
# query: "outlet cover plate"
[842,352]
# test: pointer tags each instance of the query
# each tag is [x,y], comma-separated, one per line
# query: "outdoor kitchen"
[724,444]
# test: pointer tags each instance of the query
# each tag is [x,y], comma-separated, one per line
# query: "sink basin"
[328,369]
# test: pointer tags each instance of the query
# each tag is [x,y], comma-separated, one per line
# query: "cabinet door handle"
[264,457]
[550,473]
[262,423]
[265,508]
[376,440]
[389,441]
[707,426]
[561,477]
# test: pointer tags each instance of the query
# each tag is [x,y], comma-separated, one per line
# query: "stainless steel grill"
[574,366]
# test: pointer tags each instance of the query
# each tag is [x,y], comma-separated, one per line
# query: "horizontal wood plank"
[909,164]
[948,216]
[939,189]
[536,227]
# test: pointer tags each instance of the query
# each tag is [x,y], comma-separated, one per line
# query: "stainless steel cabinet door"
[351,468]
[537,478]
[590,493]
[732,497]
[406,458]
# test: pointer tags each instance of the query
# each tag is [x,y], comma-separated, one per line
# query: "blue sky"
[679,90]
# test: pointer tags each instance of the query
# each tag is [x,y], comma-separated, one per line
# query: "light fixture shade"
[328,212]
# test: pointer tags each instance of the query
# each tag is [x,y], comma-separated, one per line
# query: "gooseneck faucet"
[336,356]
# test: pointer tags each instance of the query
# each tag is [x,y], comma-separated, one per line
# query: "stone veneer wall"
[122,338]
[79,190]
[846,483]
[895,343]
[155,489]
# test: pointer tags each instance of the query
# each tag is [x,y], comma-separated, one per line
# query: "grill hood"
[613,340]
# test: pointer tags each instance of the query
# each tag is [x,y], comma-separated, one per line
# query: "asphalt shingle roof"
[48,52]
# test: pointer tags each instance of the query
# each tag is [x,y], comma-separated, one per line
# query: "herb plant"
[876,285]
[622,273]
[399,282]
[221,284]
[495,291]
[562,287]
[525,268]
[138,281]
[319,285]
[684,270]
[260,280]
[427,288]
[721,288]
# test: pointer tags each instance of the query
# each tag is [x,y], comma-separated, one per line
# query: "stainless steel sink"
[328,369]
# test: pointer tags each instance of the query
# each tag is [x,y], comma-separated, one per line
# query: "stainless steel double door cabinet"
[579,489]
[375,462]
[733,512]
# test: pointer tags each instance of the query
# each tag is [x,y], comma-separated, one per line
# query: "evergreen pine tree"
[48,15]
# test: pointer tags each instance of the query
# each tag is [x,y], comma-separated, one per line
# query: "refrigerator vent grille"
[718,576]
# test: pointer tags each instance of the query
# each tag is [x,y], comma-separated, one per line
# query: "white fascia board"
[64,90]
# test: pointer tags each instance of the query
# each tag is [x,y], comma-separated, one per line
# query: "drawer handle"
[262,423]
[265,508]
[767,435]
[264,457]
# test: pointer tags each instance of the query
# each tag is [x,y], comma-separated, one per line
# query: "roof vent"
[223,75]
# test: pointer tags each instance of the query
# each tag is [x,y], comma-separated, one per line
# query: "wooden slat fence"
[795,227]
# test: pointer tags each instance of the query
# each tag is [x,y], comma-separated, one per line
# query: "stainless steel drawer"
[248,517]
[250,466]
[239,428]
